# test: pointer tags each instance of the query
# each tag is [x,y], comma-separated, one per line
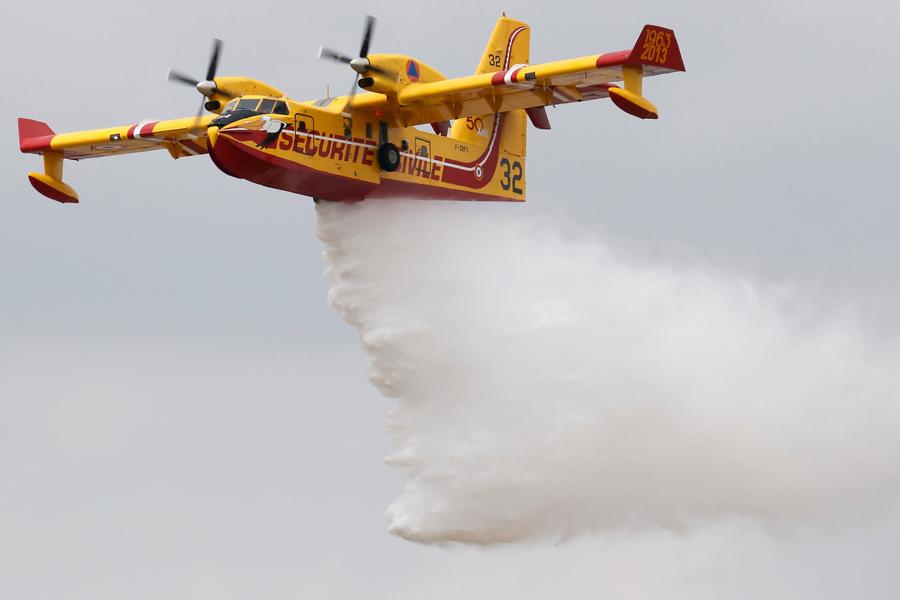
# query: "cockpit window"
[266,106]
[248,104]
[242,108]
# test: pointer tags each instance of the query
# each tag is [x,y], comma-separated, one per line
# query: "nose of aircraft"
[212,135]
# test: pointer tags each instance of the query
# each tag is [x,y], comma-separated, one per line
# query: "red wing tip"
[34,136]
[33,128]
[657,46]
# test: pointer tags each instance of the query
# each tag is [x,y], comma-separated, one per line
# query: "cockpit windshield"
[241,108]
[266,106]
[248,104]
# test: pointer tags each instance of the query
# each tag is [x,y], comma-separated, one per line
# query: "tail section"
[508,46]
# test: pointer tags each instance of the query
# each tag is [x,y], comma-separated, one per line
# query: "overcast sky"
[183,415]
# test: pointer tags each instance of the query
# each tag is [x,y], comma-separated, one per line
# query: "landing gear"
[389,157]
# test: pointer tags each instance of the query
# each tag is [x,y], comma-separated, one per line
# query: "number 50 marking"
[507,182]
[474,124]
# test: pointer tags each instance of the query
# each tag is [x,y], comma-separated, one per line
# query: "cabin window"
[281,108]
[266,106]
[404,145]
[248,104]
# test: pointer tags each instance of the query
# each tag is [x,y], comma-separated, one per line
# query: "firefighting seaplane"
[376,144]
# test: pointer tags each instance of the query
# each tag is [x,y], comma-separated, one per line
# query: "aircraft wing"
[180,137]
[532,87]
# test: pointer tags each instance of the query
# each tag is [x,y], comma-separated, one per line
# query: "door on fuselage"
[422,164]
[304,124]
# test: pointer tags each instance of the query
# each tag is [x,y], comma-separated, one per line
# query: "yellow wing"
[179,137]
[534,86]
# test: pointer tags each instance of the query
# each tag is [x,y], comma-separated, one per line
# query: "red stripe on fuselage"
[246,162]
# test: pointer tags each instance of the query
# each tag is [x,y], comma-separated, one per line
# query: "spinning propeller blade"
[207,87]
[361,63]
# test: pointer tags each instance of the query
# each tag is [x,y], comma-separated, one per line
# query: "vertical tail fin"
[509,45]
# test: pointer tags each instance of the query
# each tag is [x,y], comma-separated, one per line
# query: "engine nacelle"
[394,72]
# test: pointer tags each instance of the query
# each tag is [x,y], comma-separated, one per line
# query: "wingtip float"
[354,147]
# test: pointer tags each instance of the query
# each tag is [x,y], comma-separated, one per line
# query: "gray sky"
[170,371]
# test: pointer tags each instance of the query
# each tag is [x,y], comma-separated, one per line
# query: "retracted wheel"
[389,157]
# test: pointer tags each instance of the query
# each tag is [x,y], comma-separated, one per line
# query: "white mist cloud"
[547,386]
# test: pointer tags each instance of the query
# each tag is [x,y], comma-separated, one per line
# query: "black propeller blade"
[208,86]
[361,63]
[214,60]
[181,77]
[367,36]
[333,55]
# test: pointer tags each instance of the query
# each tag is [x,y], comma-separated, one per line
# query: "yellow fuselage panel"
[325,140]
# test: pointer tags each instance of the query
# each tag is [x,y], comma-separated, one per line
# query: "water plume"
[547,385]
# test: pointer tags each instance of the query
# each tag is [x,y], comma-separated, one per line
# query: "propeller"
[207,87]
[361,63]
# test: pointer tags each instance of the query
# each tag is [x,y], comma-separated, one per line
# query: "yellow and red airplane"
[354,147]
